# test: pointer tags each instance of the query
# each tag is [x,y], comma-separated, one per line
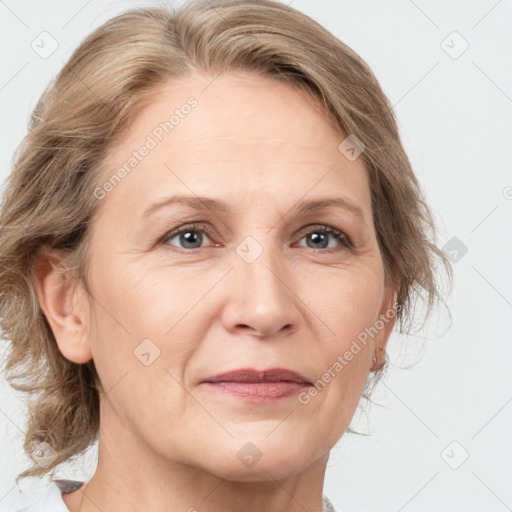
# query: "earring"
[374,359]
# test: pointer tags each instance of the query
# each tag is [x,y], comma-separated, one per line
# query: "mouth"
[258,386]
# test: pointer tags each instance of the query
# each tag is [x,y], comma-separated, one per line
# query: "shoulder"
[47,497]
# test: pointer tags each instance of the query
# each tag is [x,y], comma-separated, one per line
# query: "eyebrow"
[219,206]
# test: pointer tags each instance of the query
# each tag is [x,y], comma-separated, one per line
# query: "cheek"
[347,304]
[144,332]
[137,350]
[348,311]
[135,300]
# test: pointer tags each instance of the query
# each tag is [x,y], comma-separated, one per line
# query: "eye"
[319,238]
[190,236]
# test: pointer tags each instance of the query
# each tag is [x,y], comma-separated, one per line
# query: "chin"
[260,461]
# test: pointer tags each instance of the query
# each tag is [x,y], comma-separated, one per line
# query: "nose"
[261,298]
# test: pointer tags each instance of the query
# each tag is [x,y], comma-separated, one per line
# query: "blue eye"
[189,235]
[192,237]
[319,236]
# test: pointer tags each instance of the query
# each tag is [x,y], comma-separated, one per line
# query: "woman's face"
[251,283]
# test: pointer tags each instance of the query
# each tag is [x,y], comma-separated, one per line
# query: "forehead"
[243,135]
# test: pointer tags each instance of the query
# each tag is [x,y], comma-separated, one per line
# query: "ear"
[64,304]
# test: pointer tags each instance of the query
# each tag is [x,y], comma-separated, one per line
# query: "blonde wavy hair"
[49,202]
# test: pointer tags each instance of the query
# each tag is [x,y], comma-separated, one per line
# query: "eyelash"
[340,236]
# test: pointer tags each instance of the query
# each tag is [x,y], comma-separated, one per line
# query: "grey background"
[454,109]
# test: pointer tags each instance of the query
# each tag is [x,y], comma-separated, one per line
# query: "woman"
[213,229]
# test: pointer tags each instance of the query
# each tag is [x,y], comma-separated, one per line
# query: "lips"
[258,386]
[249,375]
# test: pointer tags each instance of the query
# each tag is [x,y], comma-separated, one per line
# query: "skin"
[167,442]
